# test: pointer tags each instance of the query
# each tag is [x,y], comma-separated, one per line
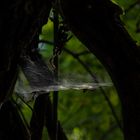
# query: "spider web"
[36,78]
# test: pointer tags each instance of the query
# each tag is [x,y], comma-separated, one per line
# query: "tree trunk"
[20,22]
[97,24]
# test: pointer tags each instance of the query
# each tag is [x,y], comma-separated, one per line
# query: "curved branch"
[96,80]
[97,24]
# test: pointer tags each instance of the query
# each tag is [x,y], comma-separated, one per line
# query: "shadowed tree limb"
[76,56]
[49,123]
[20,22]
[11,125]
[97,24]
[38,117]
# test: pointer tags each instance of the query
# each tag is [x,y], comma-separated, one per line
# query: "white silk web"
[36,79]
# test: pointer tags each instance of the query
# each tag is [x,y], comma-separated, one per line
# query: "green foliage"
[131,17]
[83,114]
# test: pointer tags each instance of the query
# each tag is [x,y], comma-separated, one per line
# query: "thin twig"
[83,53]
[96,80]
[49,122]
[81,62]
[55,93]
[23,116]
[38,117]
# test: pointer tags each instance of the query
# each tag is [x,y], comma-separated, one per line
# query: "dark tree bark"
[97,24]
[11,125]
[49,123]
[20,22]
[38,117]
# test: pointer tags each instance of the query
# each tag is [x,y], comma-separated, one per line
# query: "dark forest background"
[99,45]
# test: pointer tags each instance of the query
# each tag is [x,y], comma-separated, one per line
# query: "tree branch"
[97,24]
[96,80]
